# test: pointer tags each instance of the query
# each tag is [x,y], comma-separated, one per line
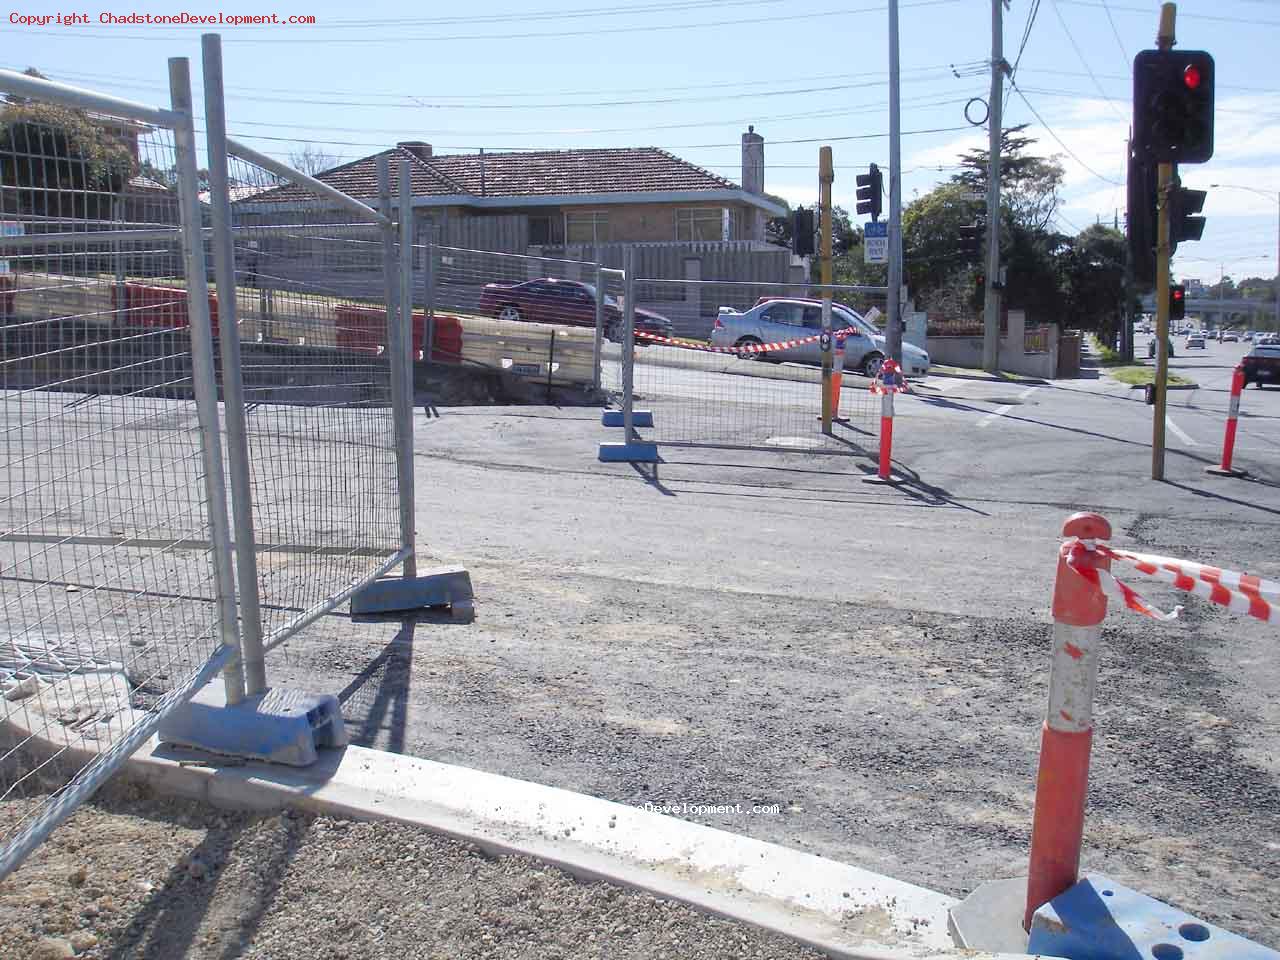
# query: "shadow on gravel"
[388,706]
[171,918]
[649,473]
[925,493]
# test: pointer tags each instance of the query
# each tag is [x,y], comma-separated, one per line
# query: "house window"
[701,223]
[590,227]
[539,231]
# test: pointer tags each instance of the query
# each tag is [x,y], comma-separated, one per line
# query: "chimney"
[752,161]
[419,149]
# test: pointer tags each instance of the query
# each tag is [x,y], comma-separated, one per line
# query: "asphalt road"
[759,626]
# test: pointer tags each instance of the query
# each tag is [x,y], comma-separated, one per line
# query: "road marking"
[998,412]
[1181,434]
[1001,411]
[943,386]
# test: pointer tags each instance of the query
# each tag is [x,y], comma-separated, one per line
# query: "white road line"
[941,387]
[998,412]
[1181,434]
[1001,411]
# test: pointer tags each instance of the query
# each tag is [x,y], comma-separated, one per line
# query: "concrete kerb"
[842,910]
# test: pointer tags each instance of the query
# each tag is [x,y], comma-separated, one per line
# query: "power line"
[303,34]
[1114,32]
[1182,15]
[1061,143]
[688,146]
[1032,10]
[1080,55]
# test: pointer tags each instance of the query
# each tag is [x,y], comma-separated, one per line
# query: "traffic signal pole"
[1164,185]
[1165,182]
[826,175]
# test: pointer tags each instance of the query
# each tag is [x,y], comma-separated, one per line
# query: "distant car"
[1194,342]
[1229,337]
[776,320]
[1262,365]
[566,302]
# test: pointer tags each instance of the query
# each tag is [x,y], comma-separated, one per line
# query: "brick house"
[682,221]
[514,201]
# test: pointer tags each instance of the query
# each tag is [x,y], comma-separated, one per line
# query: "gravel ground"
[135,875]
[909,747]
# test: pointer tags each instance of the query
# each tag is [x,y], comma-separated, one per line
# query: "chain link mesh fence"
[530,317]
[311,310]
[106,570]
[756,380]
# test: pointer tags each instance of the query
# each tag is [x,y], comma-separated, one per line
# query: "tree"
[930,233]
[310,159]
[1028,185]
[64,163]
[1093,279]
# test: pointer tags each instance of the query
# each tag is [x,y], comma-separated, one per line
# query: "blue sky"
[689,75]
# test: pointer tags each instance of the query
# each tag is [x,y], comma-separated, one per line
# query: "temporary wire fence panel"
[107,577]
[529,317]
[757,381]
[311,309]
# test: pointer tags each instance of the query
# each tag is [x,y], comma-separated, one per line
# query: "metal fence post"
[598,345]
[204,385]
[255,669]
[628,343]
[402,386]
[429,334]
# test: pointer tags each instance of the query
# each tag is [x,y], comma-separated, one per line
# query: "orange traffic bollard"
[1079,607]
[1225,469]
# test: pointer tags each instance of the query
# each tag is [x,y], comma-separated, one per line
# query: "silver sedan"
[776,321]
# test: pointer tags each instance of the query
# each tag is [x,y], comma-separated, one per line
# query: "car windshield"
[1265,350]
[851,319]
[608,300]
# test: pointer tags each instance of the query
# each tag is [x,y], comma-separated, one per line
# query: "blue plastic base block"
[639,418]
[442,587]
[279,726]
[1098,919]
[637,451]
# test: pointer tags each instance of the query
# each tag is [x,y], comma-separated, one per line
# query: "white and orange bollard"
[1079,607]
[837,375]
[1225,469]
[889,382]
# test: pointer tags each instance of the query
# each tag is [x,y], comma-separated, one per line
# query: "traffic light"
[870,190]
[1183,205]
[1177,302]
[802,232]
[1173,106]
[971,240]
[1141,221]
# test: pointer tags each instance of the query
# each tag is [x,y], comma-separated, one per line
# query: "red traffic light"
[1191,77]
[1178,293]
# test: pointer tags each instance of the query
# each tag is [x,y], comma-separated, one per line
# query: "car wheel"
[749,342]
[871,365]
[509,311]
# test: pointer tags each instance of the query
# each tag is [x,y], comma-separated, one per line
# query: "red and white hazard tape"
[1238,592]
[746,347]
[879,389]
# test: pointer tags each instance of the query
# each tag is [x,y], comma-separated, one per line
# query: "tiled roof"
[519,174]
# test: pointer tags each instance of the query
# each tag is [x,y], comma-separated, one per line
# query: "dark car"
[1262,365]
[568,302]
